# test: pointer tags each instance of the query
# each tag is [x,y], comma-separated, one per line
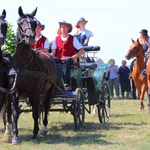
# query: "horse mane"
[138,40]
[137,43]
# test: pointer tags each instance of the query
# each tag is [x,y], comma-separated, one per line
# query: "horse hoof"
[7,132]
[43,133]
[36,141]
[141,107]
[15,141]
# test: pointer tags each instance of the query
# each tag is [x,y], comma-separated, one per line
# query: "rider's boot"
[147,55]
[144,72]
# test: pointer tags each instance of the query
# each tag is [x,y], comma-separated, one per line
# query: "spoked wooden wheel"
[79,109]
[104,104]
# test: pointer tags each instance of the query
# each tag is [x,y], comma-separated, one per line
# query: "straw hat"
[66,23]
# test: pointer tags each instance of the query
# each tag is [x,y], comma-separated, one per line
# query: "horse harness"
[21,72]
[4,69]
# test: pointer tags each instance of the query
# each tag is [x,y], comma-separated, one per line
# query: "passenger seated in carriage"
[41,42]
[66,49]
[83,35]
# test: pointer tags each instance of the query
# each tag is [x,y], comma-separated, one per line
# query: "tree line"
[10,42]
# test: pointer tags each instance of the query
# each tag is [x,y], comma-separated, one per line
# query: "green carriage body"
[93,79]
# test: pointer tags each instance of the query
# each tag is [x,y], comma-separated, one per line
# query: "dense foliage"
[10,43]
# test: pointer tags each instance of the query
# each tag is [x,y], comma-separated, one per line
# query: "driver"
[64,48]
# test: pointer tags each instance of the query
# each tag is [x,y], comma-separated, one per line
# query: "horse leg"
[143,89]
[3,108]
[148,101]
[94,109]
[15,113]
[3,113]
[141,102]
[47,104]
[138,86]
[35,114]
[39,120]
[9,120]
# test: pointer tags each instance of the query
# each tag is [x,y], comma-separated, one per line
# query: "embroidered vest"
[40,43]
[64,48]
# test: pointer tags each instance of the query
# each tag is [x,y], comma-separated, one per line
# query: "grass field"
[128,129]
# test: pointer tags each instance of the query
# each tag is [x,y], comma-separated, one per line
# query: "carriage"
[88,90]
[36,75]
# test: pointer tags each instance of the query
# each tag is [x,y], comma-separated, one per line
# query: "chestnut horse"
[5,59]
[36,75]
[136,50]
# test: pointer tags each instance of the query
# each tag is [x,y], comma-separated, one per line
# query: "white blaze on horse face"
[28,23]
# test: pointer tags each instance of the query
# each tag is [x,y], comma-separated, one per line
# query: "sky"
[113,22]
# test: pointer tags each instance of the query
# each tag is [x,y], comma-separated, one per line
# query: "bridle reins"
[23,32]
[13,72]
[134,51]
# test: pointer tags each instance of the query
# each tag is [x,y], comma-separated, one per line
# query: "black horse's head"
[26,25]
[3,27]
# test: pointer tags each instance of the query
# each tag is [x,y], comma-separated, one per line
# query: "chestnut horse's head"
[26,26]
[3,27]
[135,50]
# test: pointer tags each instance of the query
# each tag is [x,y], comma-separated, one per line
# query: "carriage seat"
[86,61]
[91,48]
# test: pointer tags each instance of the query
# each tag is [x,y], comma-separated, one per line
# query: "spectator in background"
[113,81]
[83,35]
[41,42]
[124,73]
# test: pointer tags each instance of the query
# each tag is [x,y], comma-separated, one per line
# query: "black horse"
[36,75]
[5,60]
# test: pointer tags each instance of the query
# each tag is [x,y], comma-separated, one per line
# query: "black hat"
[144,31]
[68,24]
[38,23]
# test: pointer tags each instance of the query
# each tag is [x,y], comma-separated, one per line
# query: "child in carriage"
[83,35]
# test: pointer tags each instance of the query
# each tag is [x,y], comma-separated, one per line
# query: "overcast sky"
[113,22]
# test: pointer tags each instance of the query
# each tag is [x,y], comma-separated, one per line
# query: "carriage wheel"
[104,104]
[79,109]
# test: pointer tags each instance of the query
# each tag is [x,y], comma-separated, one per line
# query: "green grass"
[128,129]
